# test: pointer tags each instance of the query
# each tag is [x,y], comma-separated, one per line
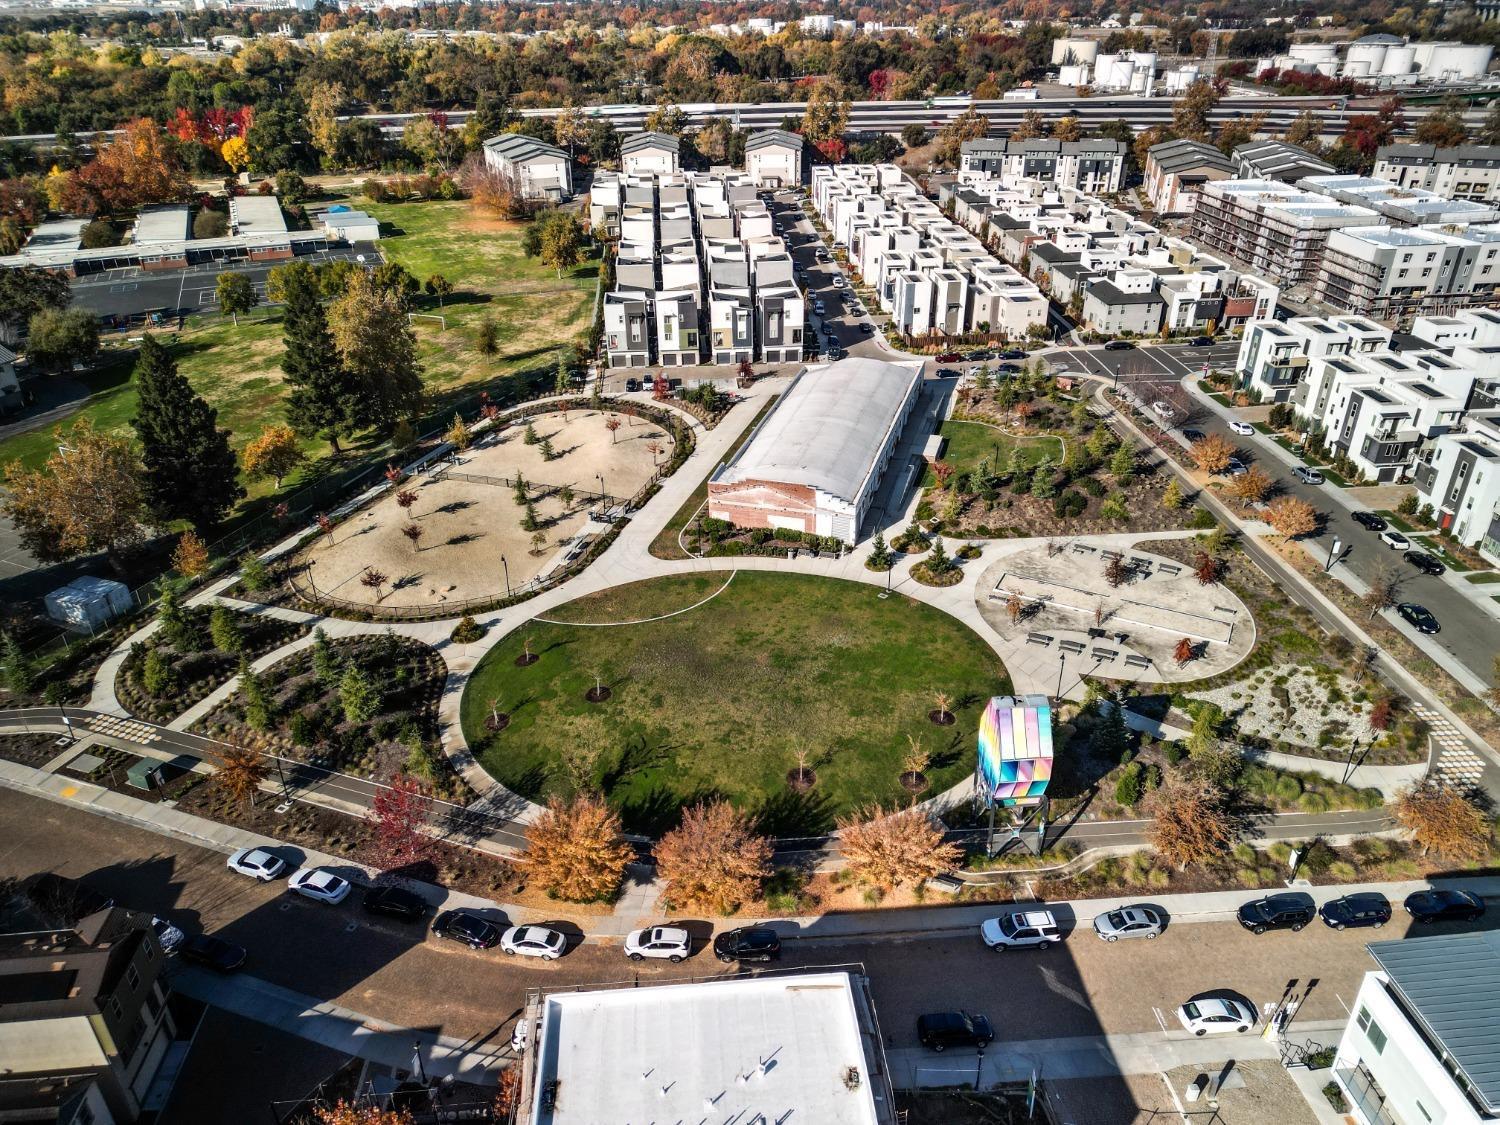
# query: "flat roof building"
[256,214]
[814,463]
[800,1047]
[166,222]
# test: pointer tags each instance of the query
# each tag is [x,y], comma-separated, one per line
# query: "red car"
[949,357]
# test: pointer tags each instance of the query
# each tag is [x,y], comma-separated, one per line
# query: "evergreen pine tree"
[177,625]
[224,628]
[257,706]
[1122,464]
[322,400]
[325,665]
[20,673]
[1111,737]
[191,473]
[358,695]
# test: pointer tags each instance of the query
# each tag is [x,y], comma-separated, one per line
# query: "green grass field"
[969,443]
[237,368]
[717,699]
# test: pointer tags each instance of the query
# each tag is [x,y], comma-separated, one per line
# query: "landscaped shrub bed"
[362,705]
[160,678]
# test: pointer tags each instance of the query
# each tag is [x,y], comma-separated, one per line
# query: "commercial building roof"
[828,428]
[753,1049]
[1451,986]
[639,141]
[59,234]
[168,222]
[1176,156]
[256,214]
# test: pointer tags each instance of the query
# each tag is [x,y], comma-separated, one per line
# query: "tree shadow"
[659,808]
[635,757]
[791,814]
[466,537]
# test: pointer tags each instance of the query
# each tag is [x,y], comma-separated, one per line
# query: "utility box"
[88,603]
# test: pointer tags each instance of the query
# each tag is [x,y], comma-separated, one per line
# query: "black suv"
[1369,521]
[395,902]
[749,943]
[472,930]
[215,952]
[1424,562]
[1443,906]
[937,1031]
[1277,912]
[1365,909]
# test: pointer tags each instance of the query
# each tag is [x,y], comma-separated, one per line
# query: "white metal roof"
[773,1048]
[256,214]
[829,427]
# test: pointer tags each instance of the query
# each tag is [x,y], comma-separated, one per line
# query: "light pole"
[1333,553]
[602,496]
[1116,382]
[506,565]
[1061,658]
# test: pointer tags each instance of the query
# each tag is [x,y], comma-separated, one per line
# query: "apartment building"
[1382,407]
[650,154]
[539,170]
[1279,231]
[1401,206]
[1276,160]
[1393,273]
[1458,473]
[1176,170]
[1420,1042]
[1460,172]
[1092,166]
[774,158]
[84,1025]
[1274,355]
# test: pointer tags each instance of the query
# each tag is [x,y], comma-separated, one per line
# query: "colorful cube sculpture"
[1015,750]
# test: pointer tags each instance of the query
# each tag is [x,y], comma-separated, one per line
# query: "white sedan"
[1215,1016]
[258,864]
[533,941]
[669,942]
[1163,409]
[319,884]
[1244,429]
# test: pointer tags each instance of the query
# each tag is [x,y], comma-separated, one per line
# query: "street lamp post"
[1333,552]
[1116,382]
[506,565]
[1061,658]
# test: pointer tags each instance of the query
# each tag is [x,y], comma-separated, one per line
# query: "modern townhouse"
[1274,355]
[1459,172]
[1458,473]
[1396,273]
[1093,166]
[1382,407]
[1279,231]
[1125,302]
[1176,170]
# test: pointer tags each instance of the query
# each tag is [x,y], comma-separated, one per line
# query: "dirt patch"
[34,750]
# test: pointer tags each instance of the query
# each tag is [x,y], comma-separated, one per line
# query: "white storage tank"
[1398,61]
[1364,59]
[1074,52]
[1456,61]
[87,602]
[1073,75]
[1329,68]
[1313,52]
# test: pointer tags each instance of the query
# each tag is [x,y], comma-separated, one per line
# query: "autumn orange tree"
[241,770]
[1292,517]
[1443,821]
[1191,823]
[887,849]
[349,1113]
[1212,452]
[1251,486]
[274,453]
[714,861]
[190,558]
[576,849]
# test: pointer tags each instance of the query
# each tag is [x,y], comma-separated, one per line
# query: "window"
[132,978]
[1372,1030]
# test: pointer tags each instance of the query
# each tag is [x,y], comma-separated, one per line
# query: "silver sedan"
[1129,922]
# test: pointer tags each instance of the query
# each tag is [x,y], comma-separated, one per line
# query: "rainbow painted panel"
[1015,749]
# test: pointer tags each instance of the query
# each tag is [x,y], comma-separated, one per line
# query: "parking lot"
[131,291]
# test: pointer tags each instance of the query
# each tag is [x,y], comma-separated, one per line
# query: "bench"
[1074,647]
[1137,661]
[1038,639]
[1168,568]
[1082,549]
[1104,655]
[948,884]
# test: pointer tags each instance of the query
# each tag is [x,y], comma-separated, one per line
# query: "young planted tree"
[1251,486]
[1443,821]
[654,448]
[1114,571]
[17,671]
[1207,569]
[404,500]
[1212,452]
[1171,497]
[274,452]
[241,771]
[544,447]
[190,472]
[612,424]
[913,765]
[1185,651]
[325,663]
[529,520]
[373,579]
[235,294]
[1383,591]
[1190,823]
[225,629]
[940,713]
[888,849]
[576,849]
[259,711]
[358,695]
[190,557]
[1122,464]
[1292,517]
[176,624]
[413,532]
[538,542]
[1015,607]
[400,815]
[438,286]
[714,861]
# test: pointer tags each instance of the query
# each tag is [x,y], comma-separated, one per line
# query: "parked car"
[937,1031]
[1162,409]
[820,254]
[1427,564]
[1014,353]
[1008,369]
[1119,346]
[1244,429]
[395,902]
[1191,436]
[838,281]
[1395,540]
[1419,617]
[1201,342]
[632,384]
[1443,906]
[819,307]
[669,942]
[1306,475]
[1277,912]
[214,952]
[1026,929]
[168,936]
[1369,521]
[470,929]
[533,941]
[1216,1016]
[1355,911]
[1235,468]
[866,328]
[319,884]
[258,864]
[950,357]
[748,943]
[1129,922]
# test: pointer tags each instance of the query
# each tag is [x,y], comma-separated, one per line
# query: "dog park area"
[522,499]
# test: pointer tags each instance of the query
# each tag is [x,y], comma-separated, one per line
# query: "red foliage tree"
[400,812]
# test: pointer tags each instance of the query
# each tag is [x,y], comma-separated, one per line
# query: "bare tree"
[1443,821]
[887,849]
[576,849]
[714,861]
[1191,823]
[1015,607]
[1385,588]
[241,770]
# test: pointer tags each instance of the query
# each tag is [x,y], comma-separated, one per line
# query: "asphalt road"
[395,971]
[1468,634]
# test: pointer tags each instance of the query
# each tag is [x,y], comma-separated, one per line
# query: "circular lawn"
[717,696]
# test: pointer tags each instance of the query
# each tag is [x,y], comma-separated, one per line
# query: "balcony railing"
[1365,1096]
